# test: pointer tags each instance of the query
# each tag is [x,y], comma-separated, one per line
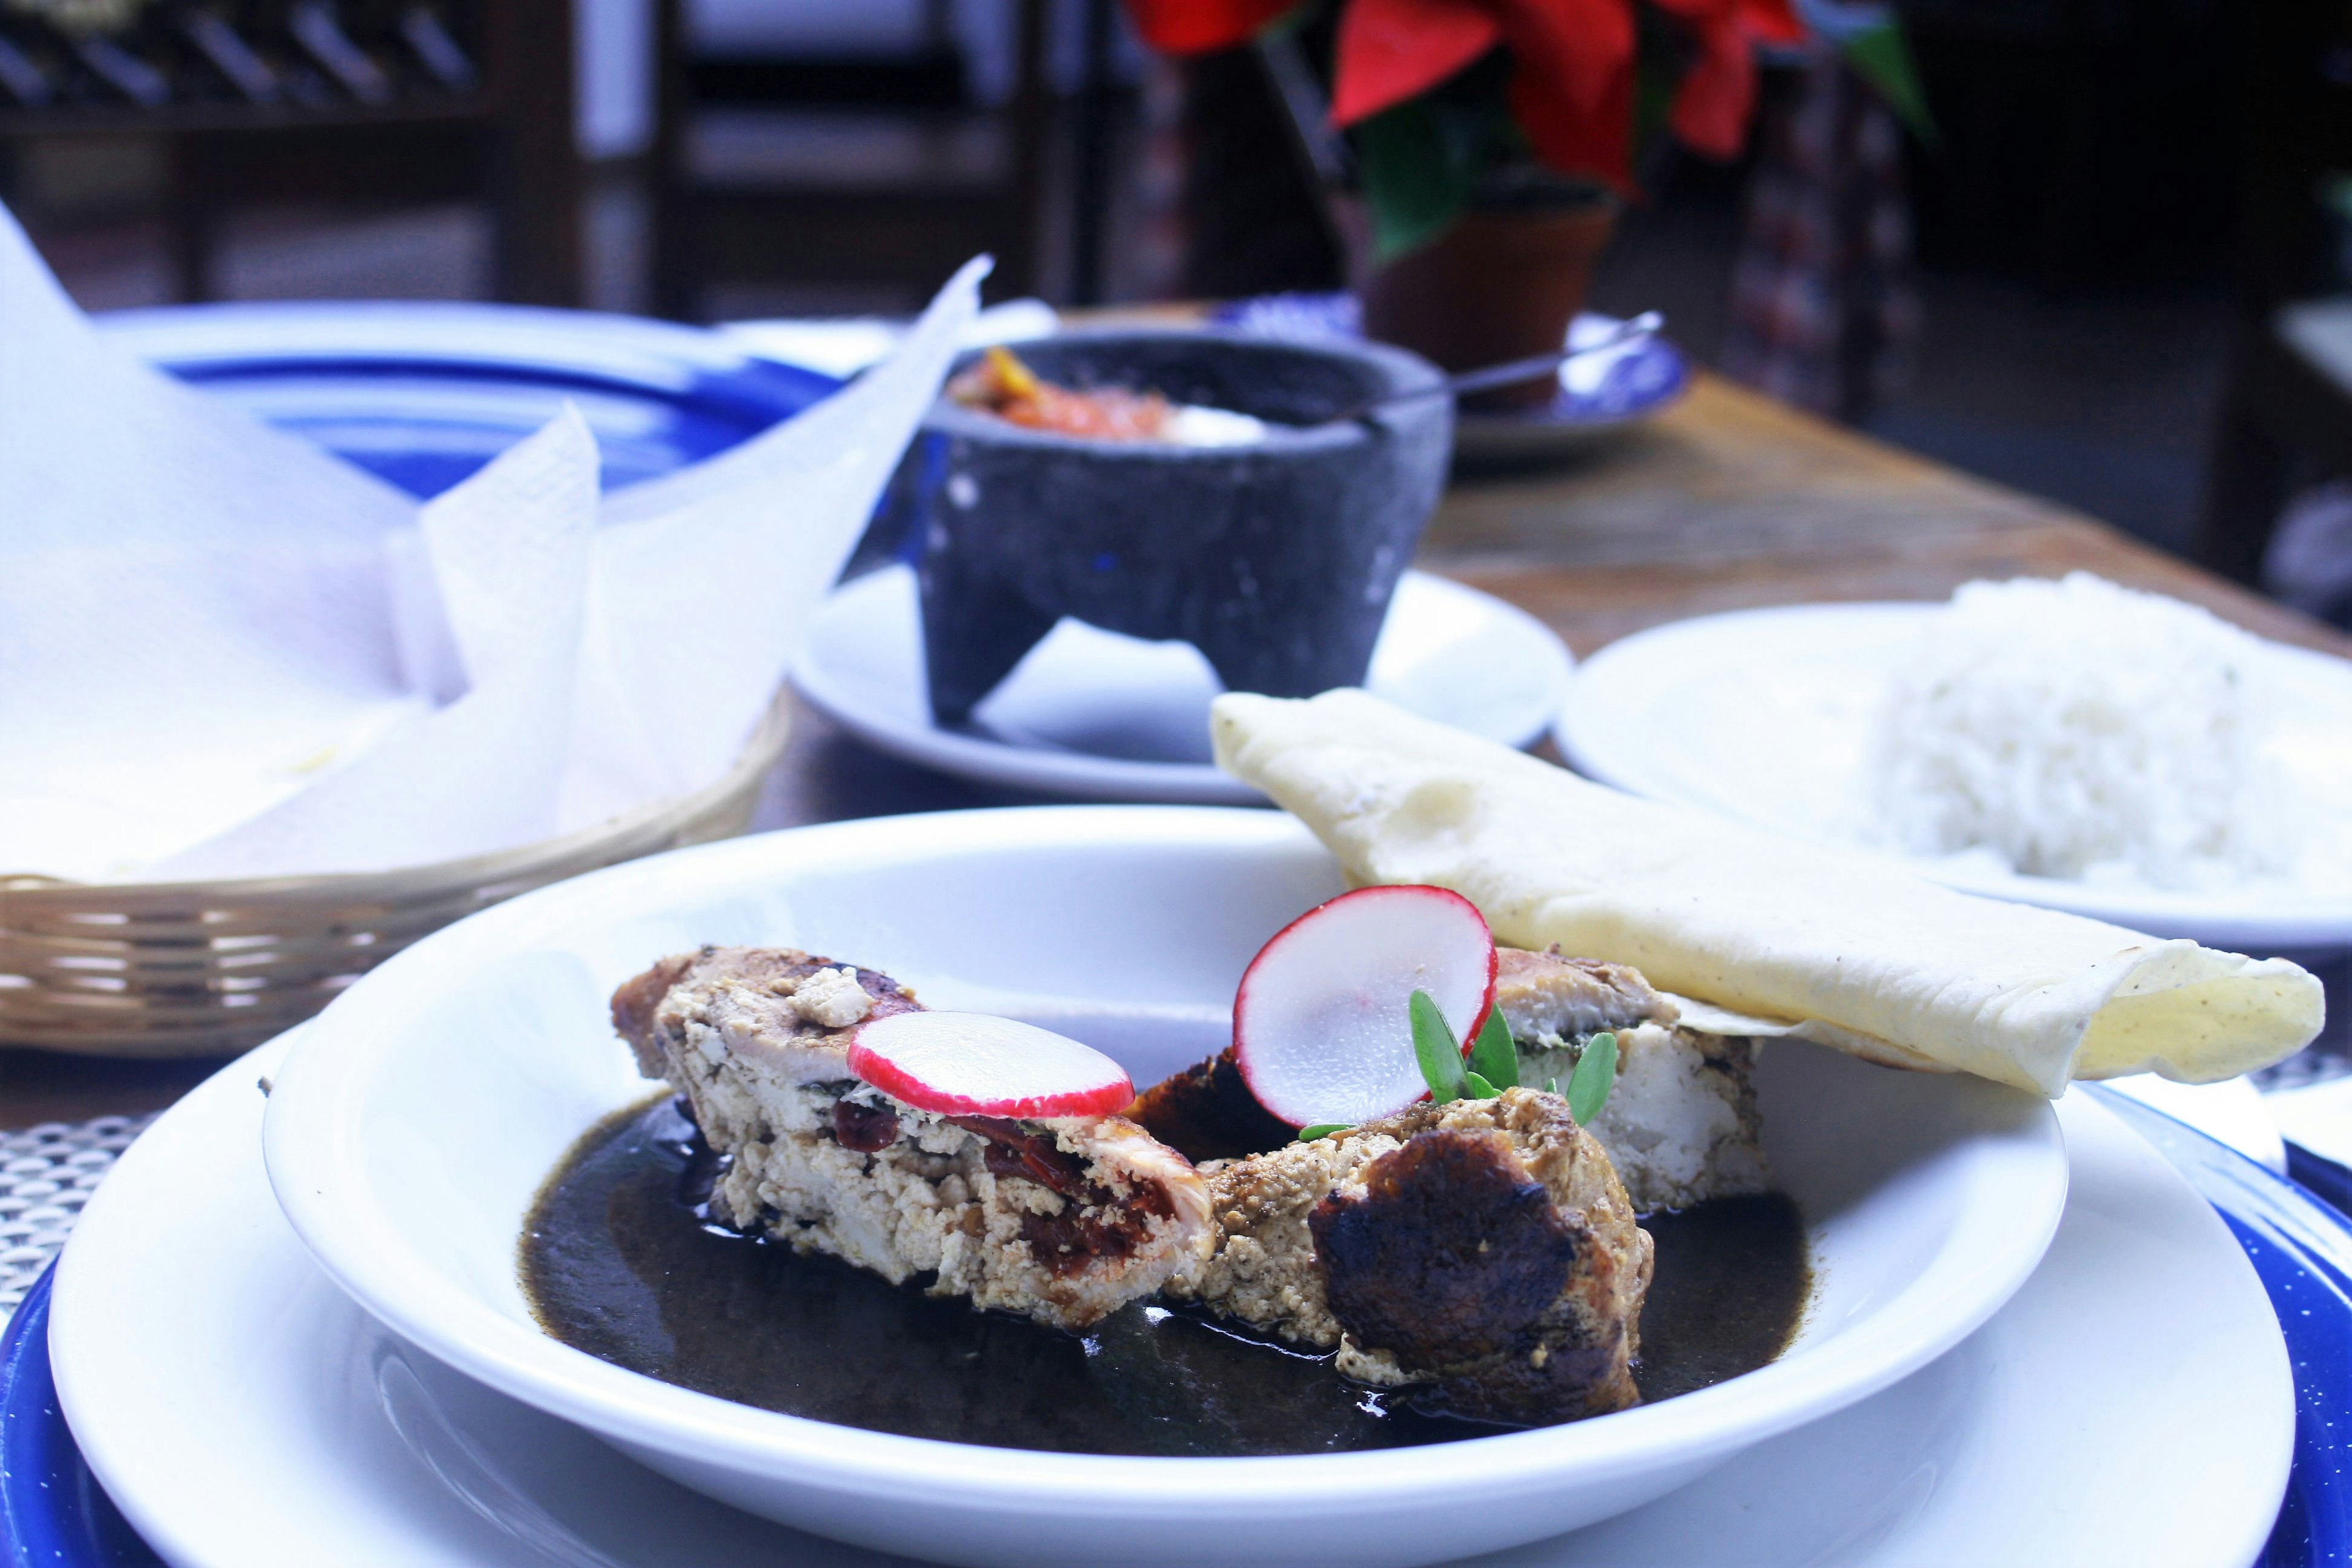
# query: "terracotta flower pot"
[1502,284]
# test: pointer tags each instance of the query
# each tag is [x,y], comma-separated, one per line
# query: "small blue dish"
[1642,379]
[423,393]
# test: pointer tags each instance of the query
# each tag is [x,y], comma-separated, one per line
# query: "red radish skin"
[1320,1027]
[975,1064]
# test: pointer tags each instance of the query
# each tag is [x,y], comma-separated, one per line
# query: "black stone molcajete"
[1277,559]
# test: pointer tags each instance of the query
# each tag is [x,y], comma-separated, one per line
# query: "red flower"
[1717,95]
[1392,50]
[1572,85]
[1572,77]
[1595,140]
[1201,27]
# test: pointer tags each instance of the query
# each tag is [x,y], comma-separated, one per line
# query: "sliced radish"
[1321,1028]
[975,1064]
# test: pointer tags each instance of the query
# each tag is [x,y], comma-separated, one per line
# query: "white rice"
[2077,729]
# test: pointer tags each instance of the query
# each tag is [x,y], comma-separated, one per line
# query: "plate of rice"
[2066,742]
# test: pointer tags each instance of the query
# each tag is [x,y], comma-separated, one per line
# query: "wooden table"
[1732,500]
[1728,500]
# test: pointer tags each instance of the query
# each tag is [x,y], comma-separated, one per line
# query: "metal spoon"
[1515,371]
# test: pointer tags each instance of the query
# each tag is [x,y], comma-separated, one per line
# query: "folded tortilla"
[1836,946]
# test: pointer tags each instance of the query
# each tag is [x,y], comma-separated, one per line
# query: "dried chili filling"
[868,1128]
[1099,1225]
[1012,1151]
[1094,1221]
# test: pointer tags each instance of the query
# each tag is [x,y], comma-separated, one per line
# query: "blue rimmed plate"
[423,393]
[2301,1246]
[53,1513]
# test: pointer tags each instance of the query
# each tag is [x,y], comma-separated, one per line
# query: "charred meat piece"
[1446,1251]
[1484,1248]
[1681,1124]
[1062,1220]
[1452,1258]
[1208,1112]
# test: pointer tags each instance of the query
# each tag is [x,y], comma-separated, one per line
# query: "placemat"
[46,1173]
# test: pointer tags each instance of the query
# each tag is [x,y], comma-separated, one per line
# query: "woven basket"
[187,969]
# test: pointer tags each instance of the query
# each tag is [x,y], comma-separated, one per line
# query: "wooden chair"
[906,226]
[2285,417]
[505,134]
[2285,421]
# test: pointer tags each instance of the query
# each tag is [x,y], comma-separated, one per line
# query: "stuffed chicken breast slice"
[1062,1220]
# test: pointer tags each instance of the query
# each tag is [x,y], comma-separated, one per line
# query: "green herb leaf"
[1493,1057]
[1434,1047]
[1321,1129]
[1551,1086]
[1588,1085]
[1476,1088]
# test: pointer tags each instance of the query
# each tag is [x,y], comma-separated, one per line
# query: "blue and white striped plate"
[425,394]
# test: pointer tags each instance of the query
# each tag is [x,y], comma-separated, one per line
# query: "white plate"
[1762,714]
[1097,716]
[246,1413]
[411,1129]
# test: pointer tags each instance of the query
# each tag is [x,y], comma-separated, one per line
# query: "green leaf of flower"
[1492,1056]
[1588,1085]
[1419,169]
[1882,56]
[1321,1129]
[1434,1047]
[1476,1088]
[1551,1086]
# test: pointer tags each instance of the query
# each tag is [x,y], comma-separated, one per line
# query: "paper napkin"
[705,580]
[224,652]
[509,551]
[192,616]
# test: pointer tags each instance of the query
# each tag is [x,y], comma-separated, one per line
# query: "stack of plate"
[2024,1348]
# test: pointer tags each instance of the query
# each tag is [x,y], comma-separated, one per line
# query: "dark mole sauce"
[618,1260]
